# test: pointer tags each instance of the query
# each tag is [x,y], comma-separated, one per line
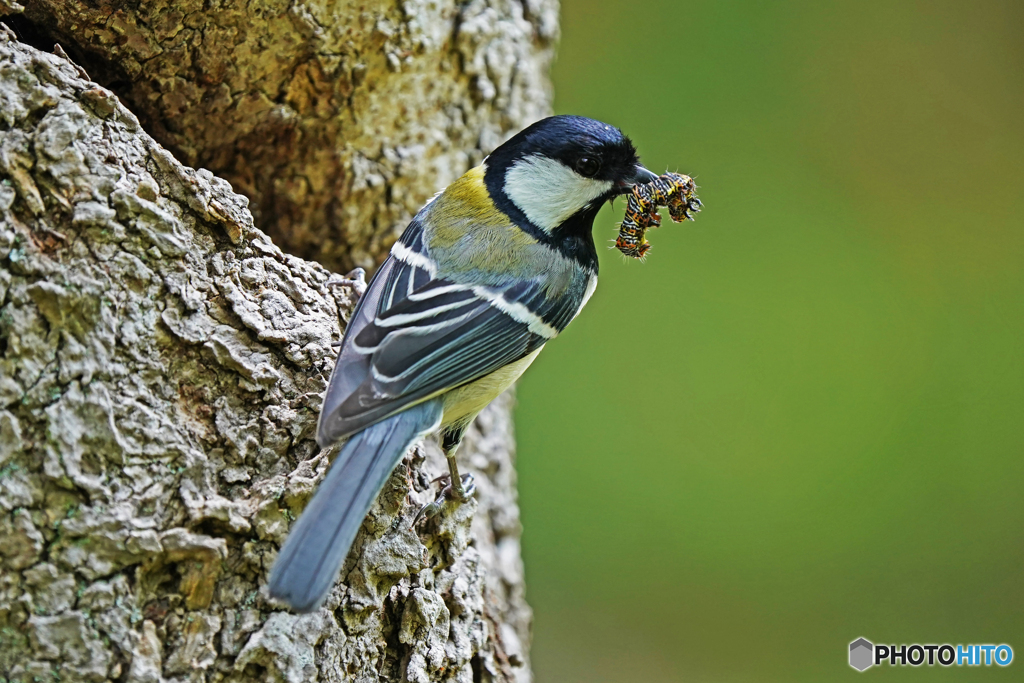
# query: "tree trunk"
[337,119]
[162,362]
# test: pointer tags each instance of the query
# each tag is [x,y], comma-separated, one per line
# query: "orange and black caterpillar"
[676,191]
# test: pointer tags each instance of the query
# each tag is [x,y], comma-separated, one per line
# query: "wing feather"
[415,335]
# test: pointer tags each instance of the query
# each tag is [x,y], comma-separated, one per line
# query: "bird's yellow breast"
[463,403]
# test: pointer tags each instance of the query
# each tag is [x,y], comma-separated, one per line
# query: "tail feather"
[314,551]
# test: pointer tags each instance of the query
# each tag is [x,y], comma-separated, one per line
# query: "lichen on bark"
[162,364]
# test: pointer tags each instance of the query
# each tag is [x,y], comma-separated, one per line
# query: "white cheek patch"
[548,191]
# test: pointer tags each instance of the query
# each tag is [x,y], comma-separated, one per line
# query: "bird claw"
[461,493]
[354,279]
[467,488]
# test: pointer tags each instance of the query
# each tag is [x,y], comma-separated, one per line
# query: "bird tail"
[314,551]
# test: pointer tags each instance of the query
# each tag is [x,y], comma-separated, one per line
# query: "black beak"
[640,176]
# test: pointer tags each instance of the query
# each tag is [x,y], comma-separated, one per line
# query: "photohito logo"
[865,654]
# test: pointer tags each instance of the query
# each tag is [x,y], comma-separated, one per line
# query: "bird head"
[559,171]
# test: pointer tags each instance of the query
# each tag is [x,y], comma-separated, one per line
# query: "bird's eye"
[588,167]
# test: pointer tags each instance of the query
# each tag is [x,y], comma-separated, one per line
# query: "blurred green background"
[802,419]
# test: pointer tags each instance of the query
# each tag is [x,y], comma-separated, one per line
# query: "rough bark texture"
[337,118]
[162,364]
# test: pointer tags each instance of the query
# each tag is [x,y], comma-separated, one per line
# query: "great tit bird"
[486,274]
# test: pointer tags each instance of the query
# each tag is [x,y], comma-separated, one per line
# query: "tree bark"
[338,119]
[162,361]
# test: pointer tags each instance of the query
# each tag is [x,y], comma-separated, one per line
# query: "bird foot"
[356,279]
[461,493]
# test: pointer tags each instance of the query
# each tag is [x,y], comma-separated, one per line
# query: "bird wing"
[415,335]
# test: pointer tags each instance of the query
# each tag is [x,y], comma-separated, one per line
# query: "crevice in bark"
[42,36]
[336,121]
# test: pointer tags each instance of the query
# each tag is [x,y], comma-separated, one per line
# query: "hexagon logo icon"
[861,654]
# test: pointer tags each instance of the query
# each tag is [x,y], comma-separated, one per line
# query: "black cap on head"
[593,162]
[592,148]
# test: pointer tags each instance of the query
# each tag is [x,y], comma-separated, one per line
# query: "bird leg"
[459,488]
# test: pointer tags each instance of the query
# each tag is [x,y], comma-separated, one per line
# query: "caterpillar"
[672,190]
